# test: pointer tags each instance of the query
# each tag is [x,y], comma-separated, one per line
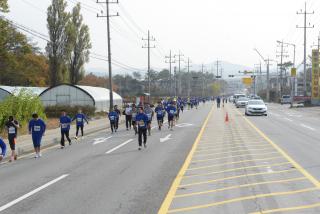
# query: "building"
[78,95]
[6,91]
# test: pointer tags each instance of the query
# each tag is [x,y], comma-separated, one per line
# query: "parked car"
[256,107]
[241,102]
[285,99]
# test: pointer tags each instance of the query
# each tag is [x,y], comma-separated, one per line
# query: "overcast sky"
[203,30]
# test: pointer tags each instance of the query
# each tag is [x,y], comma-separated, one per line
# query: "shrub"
[21,106]
[55,111]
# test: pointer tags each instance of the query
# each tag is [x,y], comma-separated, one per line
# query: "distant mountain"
[228,69]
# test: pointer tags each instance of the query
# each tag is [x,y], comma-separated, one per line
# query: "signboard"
[247,81]
[315,75]
[293,72]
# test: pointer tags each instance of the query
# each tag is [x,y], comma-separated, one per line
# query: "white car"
[241,102]
[256,107]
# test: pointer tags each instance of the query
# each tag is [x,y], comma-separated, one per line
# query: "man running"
[65,122]
[118,117]
[134,115]
[80,119]
[128,113]
[149,112]
[160,114]
[12,128]
[37,128]
[171,114]
[142,120]
[113,118]
[218,102]
[3,148]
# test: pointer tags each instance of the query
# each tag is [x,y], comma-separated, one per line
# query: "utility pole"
[175,82]
[107,3]
[148,46]
[282,52]
[179,67]
[218,64]
[305,27]
[170,57]
[202,73]
[189,77]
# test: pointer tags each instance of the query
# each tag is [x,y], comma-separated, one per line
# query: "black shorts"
[170,118]
[12,142]
[134,123]
[149,122]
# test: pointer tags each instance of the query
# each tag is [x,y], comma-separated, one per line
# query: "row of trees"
[22,63]
[69,45]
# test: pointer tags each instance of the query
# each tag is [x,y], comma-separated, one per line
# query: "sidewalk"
[52,136]
[234,168]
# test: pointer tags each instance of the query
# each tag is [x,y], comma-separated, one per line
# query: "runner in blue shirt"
[80,119]
[149,112]
[160,112]
[113,117]
[142,121]
[171,109]
[37,128]
[3,149]
[65,122]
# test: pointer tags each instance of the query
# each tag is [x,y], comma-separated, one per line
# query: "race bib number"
[141,123]
[37,128]
[12,130]
[171,111]
[149,116]
[112,118]
[79,119]
[134,115]
[128,111]
[159,113]
[64,125]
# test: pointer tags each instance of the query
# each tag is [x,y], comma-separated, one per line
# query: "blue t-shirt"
[171,111]
[37,127]
[160,112]
[65,123]
[113,116]
[80,118]
[142,120]
[3,148]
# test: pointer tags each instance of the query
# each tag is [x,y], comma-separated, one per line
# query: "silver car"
[256,107]
[242,102]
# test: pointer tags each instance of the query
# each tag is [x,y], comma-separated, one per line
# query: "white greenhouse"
[78,95]
[6,91]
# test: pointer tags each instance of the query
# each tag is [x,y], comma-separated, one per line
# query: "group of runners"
[137,117]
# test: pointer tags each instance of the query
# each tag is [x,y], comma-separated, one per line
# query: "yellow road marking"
[236,169]
[168,199]
[231,148]
[235,156]
[237,176]
[222,146]
[289,209]
[242,199]
[240,186]
[281,151]
[219,153]
[236,162]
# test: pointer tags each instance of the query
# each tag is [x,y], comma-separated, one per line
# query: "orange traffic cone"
[227,118]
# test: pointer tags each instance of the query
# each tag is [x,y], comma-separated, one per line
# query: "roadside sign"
[293,72]
[247,81]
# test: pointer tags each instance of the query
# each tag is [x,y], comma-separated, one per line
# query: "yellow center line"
[236,169]
[236,162]
[246,150]
[242,199]
[168,199]
[240,186]
[235,156]
[304,207]
[281,151]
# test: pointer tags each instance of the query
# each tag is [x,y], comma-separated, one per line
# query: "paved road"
[297,131]
[235,168]
[103,173]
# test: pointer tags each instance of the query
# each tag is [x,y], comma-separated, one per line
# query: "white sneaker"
[39,155]
[36,156]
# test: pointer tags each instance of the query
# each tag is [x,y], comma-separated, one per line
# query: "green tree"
[79,38]
[58,48]
[4,7]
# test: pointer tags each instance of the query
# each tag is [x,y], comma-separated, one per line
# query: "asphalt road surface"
[101,173]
